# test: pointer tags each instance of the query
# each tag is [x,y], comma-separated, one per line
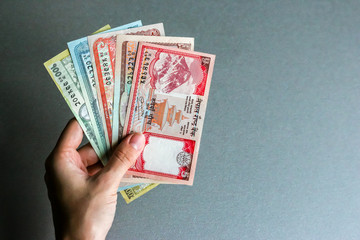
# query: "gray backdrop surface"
[279,157]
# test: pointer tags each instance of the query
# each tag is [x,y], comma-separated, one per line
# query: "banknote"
[80,53]
[167,103]
[102,52]
[133,193]
[126,48]
[62,72]
[73,89]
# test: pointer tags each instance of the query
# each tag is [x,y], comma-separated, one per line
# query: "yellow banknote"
[62,71]
[133,193]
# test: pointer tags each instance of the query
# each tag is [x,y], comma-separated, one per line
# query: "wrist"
[82,230]
[70,228]
[82,233]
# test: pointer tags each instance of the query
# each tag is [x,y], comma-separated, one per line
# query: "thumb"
[123,157]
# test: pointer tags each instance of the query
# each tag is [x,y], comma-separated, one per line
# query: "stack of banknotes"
[134,79]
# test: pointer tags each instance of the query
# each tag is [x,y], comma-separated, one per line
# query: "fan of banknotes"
[134,79]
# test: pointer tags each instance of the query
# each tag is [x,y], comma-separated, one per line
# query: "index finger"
[71,136]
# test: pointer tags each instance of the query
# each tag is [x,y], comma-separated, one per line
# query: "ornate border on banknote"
[168,100]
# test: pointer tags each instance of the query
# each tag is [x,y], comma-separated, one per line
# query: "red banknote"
[167,103]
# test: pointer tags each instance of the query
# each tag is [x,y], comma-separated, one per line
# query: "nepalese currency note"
[71,90]
[62,72]
[126,48]
[133,193]
[102,52]
[80,53]
[167,103]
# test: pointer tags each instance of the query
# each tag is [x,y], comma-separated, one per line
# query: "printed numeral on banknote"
[102,50]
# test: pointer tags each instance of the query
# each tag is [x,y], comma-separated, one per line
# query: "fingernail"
[137,141]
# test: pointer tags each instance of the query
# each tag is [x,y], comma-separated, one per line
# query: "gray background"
[279,157]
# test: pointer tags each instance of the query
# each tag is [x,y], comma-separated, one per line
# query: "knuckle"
[48,161]
[123,157]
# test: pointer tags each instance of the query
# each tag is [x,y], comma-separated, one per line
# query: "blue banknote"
[80,54]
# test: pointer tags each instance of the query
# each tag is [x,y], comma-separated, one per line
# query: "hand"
[83,194]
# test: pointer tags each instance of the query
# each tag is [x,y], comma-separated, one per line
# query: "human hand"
[83,193]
